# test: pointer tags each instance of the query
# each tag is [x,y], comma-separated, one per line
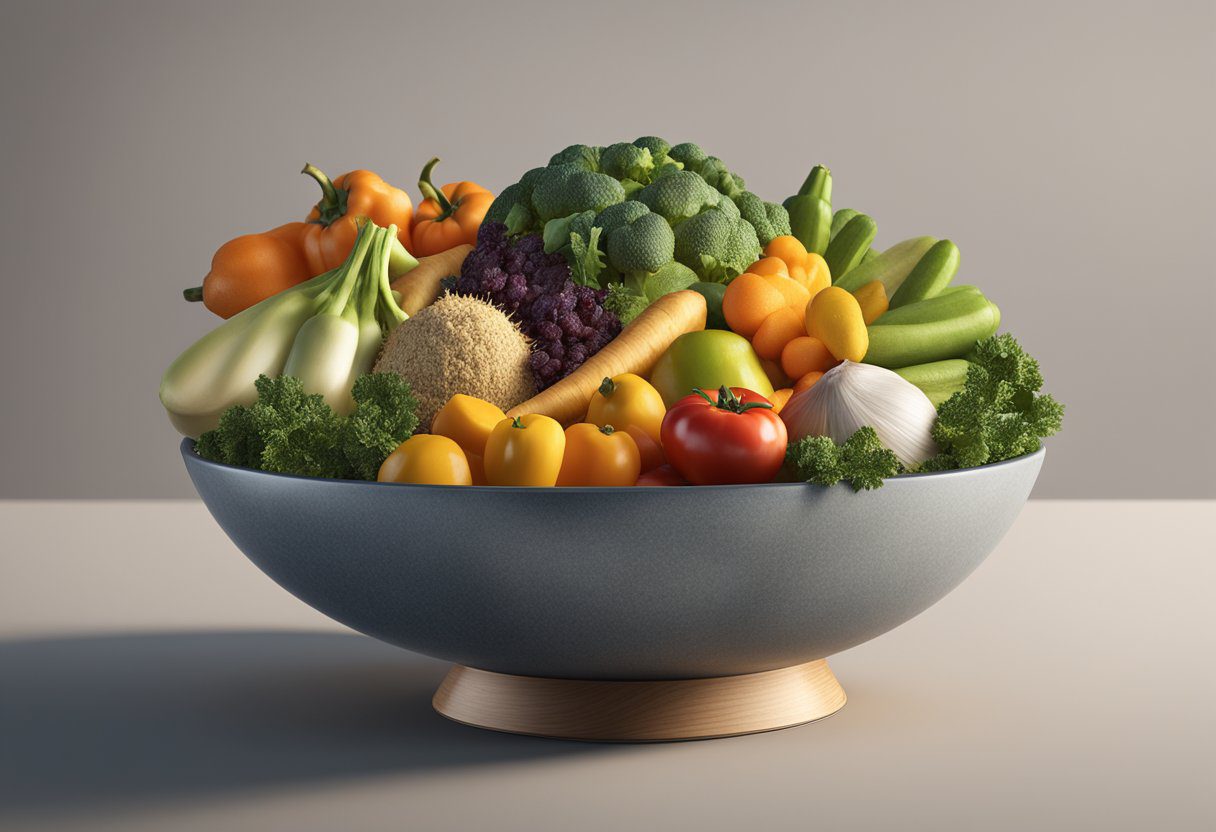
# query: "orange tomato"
[806,354]
[778,329]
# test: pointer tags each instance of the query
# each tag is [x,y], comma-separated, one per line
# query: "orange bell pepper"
[600,456]
[252,267]
[447,217]
[332,225]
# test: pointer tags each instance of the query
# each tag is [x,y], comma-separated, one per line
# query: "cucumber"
[965,301]
[917,342]
[848,247]
[932,274]
[938,380]
[841,218]
[870,254]
[891,267]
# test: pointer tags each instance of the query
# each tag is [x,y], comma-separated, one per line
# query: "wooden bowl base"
[630,711]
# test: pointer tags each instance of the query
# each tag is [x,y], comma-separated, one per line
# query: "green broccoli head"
[565,189]
[627,161]
[768,218]
[581,156]
[717,244]
[678,196]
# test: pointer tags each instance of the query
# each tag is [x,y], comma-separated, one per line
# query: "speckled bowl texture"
[624,583]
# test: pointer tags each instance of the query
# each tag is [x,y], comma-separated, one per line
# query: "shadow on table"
[129,719]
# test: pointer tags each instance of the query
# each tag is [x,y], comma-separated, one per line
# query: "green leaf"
[587,262]
[671,278]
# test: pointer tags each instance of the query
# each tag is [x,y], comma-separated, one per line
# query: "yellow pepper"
[468,421]
[627,399]
[599,456]
[428,459]
[526,450]
[872,298]
[834,317]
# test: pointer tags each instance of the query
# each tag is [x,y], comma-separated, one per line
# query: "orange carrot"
[419,287]
[635,350]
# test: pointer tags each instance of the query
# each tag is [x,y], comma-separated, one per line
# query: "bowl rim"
[188,454]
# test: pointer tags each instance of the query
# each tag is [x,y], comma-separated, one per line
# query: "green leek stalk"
[327,331]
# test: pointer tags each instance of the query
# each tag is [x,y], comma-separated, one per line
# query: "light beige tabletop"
[152,679]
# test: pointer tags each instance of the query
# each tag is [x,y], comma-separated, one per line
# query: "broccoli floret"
[507,199]
[862,460]
[999,414]
[565,189]
[658,147]
[627,161]
[678,196]
[581,156]
[689,155]
[644,245]
[716,174]
[768,218]
[717,244]
[623,303]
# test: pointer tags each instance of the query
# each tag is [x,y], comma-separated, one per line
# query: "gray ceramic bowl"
[627,583]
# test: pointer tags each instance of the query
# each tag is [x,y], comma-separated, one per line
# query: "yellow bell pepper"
[427,459]
[599,456]
[627,399]
[526,450]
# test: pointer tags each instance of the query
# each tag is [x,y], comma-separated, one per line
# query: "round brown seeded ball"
[459,344]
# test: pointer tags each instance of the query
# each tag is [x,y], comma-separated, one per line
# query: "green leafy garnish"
[292,432]
[586,261]
[862,460]
[999,414]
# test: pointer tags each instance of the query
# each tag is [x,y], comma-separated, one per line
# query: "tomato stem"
[607,430]
[729,400]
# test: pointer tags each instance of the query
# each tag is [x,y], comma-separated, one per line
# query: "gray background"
[1065,147]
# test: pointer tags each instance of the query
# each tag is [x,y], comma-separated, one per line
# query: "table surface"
[152,679]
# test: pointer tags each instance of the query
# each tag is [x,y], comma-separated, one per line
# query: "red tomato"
[732,436]
[663,475]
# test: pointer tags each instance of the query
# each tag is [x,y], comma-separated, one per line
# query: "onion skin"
[851,396]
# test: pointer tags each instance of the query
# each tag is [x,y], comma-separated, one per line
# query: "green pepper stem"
[607,387]
[518,422]
[332,205]
[429,191]
[194,294]
[607,430]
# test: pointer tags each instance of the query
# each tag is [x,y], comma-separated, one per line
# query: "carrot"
[635,350]
[419,287]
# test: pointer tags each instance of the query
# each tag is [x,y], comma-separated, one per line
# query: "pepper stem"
[429,191]
[194,294]
[332,204]
[607,387]
[518,422]
[607,430]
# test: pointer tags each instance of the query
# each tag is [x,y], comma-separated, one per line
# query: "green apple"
[708,359]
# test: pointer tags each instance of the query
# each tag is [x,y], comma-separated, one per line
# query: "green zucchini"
[938,380]
[891,267]
[932,330]
[848,247]
[932,274]
[841,218]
